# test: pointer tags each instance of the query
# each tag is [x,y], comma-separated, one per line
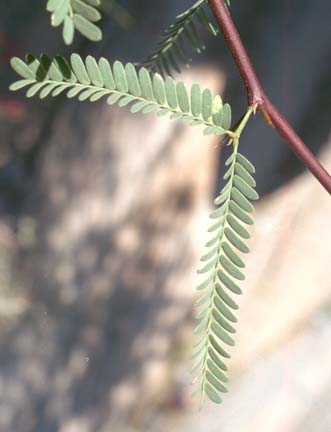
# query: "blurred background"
[103,217]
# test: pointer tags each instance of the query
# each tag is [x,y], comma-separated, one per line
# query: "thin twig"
[257,96]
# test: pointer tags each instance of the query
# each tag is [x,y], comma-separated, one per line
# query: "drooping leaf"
[224,263]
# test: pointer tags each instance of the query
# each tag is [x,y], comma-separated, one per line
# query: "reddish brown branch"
[257,96]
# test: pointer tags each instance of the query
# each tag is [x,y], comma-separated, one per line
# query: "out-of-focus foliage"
[77,15]
[172,50]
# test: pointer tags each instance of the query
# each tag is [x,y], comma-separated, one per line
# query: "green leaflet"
[223,322]
[79,15]
[79,69]
[224,263]
[215,382]
[207,104]
[212,393]
[183,98]
[94,71]
[159,89]
[120,77]
[217,371]
[85,10]
[171,93]
[68,31]
[22,69]
[196,102]
[221,351]
[133,81]
[222,306]
[107,74]
[121,84]
[232,255]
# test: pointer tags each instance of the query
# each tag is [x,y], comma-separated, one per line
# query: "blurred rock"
[280,367]
[108,276]
[288,271]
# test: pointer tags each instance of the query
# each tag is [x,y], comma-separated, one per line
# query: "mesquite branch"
[257,97]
